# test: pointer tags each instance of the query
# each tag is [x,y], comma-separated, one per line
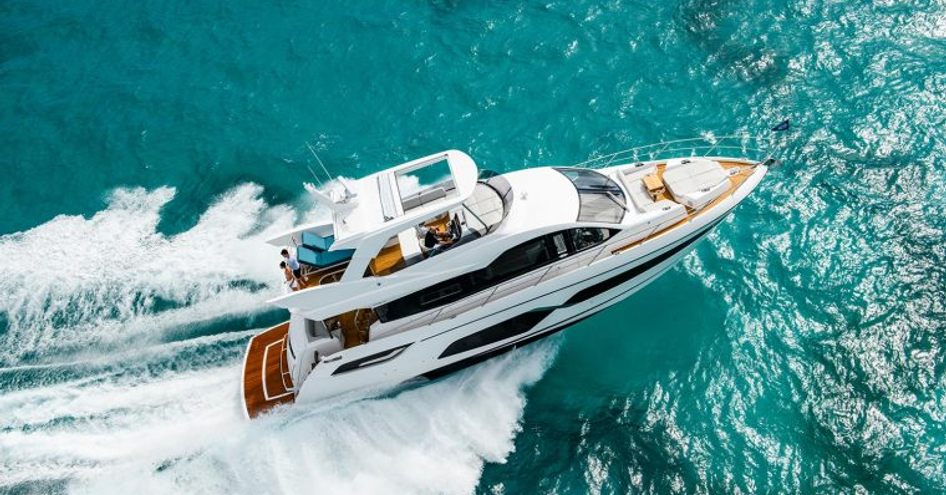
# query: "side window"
[584,238]
[436,293]
[523,258]
[559,244]
[520,259]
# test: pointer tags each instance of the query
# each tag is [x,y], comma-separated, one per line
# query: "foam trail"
[113,268]
[182,432]
[130,411]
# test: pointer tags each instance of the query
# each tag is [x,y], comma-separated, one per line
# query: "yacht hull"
[516,313]
[557,308]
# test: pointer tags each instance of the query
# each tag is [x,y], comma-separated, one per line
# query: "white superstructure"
[431,266]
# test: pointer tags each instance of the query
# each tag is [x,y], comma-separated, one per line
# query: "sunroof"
[424,184]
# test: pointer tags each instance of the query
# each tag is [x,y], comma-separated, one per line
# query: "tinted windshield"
[600,198]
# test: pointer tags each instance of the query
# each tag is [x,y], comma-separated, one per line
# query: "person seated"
[431,239]
[435,241]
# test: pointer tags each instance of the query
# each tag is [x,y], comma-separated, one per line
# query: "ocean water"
[148,147]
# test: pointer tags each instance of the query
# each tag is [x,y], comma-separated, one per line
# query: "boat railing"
[615,245]
[284,370]
[709,145]
[504,289]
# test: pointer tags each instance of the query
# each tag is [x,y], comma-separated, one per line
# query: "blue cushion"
[317,242]
[322,259]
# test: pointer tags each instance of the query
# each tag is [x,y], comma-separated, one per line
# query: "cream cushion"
[695,182]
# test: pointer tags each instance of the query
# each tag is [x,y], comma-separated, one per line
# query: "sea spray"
[182,431]
[69,283]
[97,398]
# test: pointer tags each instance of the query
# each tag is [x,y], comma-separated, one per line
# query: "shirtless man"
[290,278]
[293,264]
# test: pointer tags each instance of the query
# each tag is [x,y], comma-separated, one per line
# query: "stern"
[267,381]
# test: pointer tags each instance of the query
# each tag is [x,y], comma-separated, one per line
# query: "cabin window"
[520,259]
[435,294]
[584,238]
[516,261]
[514,326]
[561,248]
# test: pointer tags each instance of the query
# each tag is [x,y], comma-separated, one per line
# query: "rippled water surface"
[149,147]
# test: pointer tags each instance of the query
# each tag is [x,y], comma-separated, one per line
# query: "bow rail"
[705,146]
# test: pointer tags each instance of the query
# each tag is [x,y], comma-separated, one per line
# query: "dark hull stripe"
[371,360]
[606,285]
[692,236]
[516,325]
[479,358]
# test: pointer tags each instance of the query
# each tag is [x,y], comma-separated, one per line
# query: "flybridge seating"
[379,222]
[438,191]
[314,251]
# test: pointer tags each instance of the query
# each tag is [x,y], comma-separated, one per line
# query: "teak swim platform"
[267,381]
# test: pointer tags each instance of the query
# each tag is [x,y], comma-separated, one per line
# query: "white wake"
[158,417]
[75,282]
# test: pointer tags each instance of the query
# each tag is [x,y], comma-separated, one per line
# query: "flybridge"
[381,223]
[394,199]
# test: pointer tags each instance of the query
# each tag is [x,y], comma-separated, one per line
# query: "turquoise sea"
[147,147]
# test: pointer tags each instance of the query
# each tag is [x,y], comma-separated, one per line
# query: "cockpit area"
[476,216]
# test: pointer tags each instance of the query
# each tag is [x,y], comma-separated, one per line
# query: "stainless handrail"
[447,311]
[702,146]
[707,144]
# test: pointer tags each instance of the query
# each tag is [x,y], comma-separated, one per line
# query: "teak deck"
[266,381]
[735,181]
[320,276]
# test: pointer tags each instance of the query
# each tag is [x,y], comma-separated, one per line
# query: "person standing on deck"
[293,264]
[291,280]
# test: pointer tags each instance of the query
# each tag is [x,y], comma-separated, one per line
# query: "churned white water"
[97,399]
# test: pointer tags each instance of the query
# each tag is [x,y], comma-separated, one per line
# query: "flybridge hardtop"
[383,213]
[386,202]
[431,266]
[383,203]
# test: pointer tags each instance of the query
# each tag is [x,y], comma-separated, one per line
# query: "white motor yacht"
[432,266]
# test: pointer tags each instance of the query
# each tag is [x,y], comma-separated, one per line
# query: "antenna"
[348,193]
[316,177]
[316,155]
